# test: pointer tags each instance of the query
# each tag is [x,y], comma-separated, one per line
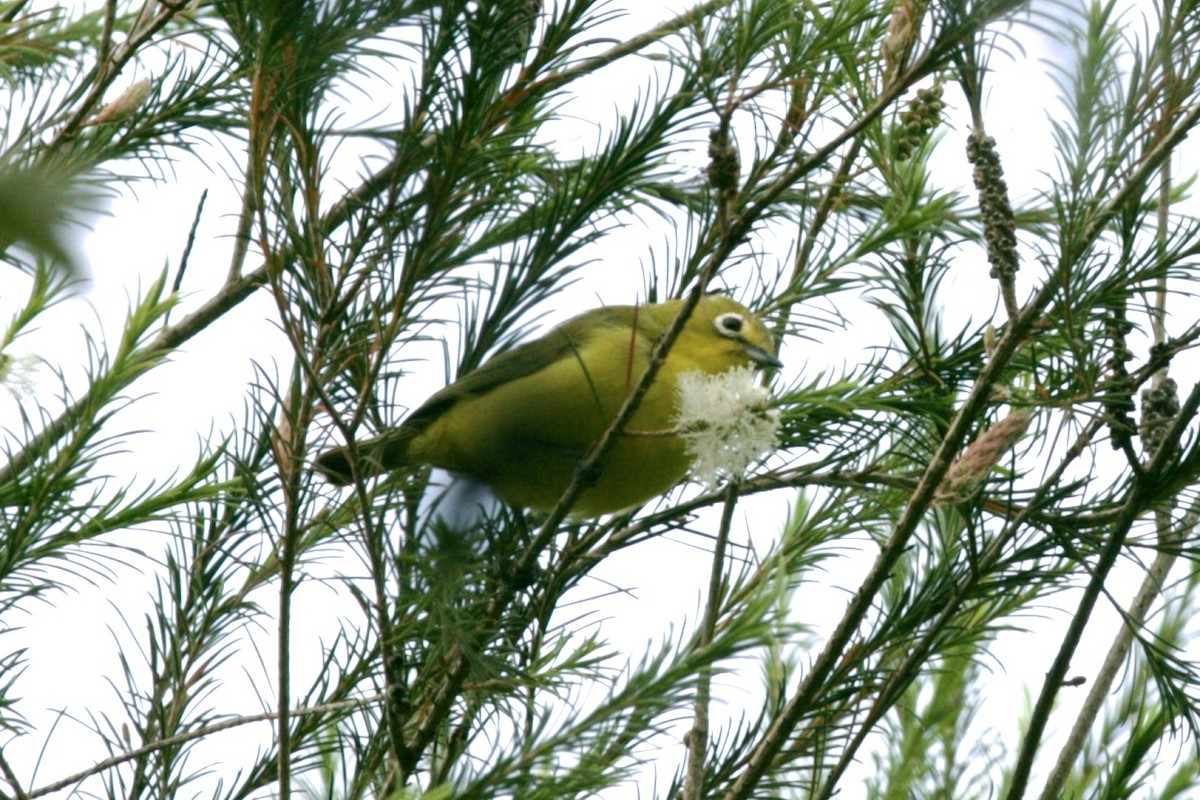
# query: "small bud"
[969,470]
[126,103]
[724,167]
[903,27]
[995,210]
[1160,406]
[989,340]
[918,121]
[1118,396]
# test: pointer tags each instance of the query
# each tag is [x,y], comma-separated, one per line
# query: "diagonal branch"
[1144,491]
[191,736]
[803,702]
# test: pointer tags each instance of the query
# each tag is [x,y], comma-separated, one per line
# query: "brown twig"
[190,736]
[802,702]
[1142,492]
[917,652]
[697,737]
[13,781]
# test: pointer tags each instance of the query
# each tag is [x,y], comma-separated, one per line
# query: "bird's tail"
[380,454]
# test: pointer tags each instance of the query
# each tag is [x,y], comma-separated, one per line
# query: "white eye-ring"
[730,324]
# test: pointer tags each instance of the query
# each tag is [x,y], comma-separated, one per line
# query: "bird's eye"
[730,324]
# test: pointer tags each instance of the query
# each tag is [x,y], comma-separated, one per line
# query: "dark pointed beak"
[761,357]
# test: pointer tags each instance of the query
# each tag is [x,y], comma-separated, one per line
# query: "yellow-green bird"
[523,421]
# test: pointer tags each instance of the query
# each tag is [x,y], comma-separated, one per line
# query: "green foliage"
[404,181]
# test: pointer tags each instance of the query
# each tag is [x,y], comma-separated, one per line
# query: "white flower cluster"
[16,374]
[725,421]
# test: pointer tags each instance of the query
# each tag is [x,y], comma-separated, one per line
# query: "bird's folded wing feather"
[522,360]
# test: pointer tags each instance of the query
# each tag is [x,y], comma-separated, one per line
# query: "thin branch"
[13,10]
[191,736]
[627,47]
[697,738]
[1135,617]
[1142,492]
[774,740]
[185,258]
[104,49]
[13,780]
[824,208]
[1155,579]
[918,652]
[168,339]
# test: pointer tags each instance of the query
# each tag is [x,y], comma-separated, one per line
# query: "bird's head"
[722,333]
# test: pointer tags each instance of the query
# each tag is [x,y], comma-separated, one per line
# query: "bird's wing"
[522,360]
